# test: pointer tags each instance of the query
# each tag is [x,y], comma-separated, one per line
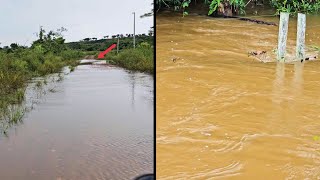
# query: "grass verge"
[139,59]
[18,67]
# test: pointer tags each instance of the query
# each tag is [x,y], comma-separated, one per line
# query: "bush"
[140,59]
[18,67]
[71,54]
[291,6]
[296,6]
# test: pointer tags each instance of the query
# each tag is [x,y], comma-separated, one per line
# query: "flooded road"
[97,123]
[224,115]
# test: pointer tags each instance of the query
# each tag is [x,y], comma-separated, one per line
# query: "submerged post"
[301,35]
[282,38]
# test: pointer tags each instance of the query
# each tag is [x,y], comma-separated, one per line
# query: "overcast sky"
[20,19]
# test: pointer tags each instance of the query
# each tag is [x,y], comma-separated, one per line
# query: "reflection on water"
[132,90]
[224,115]
[91,126]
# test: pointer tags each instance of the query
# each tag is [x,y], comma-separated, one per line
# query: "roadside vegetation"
[50,53]
[19,64]
[140,58]
[137,59]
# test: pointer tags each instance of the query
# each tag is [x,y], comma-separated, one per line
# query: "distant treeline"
[125,42]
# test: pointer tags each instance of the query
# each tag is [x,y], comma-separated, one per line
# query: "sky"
[21,19]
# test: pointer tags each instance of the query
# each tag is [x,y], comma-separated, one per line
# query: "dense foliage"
[238,6]
[139,59]
[19,64]
[295,6]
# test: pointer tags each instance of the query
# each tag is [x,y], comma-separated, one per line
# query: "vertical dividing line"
[282,38]
[301,35]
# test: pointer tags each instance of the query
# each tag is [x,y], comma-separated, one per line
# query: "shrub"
[140,59]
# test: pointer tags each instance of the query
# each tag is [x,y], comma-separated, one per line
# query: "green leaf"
[185,4]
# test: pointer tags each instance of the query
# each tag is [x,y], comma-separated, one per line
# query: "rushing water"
[97,123]
[224,115]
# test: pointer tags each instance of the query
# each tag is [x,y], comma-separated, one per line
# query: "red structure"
[103,53]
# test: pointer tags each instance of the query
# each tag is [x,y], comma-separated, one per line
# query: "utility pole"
[134,30]
[118,46]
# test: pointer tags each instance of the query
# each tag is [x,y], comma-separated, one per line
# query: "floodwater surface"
[97,123]
[224,115]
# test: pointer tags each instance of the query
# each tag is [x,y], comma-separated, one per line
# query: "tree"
[149,14]
[7,49]
[42,31]
[51,42]
[14,46]
[151,32]
[86,39]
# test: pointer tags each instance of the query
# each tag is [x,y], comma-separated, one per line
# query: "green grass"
[17,68]
[10,116]
[139,59]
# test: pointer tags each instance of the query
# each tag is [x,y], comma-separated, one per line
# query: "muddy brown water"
[96,124]
[224,115]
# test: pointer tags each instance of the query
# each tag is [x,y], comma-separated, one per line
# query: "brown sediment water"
[224,115]
[97,123]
